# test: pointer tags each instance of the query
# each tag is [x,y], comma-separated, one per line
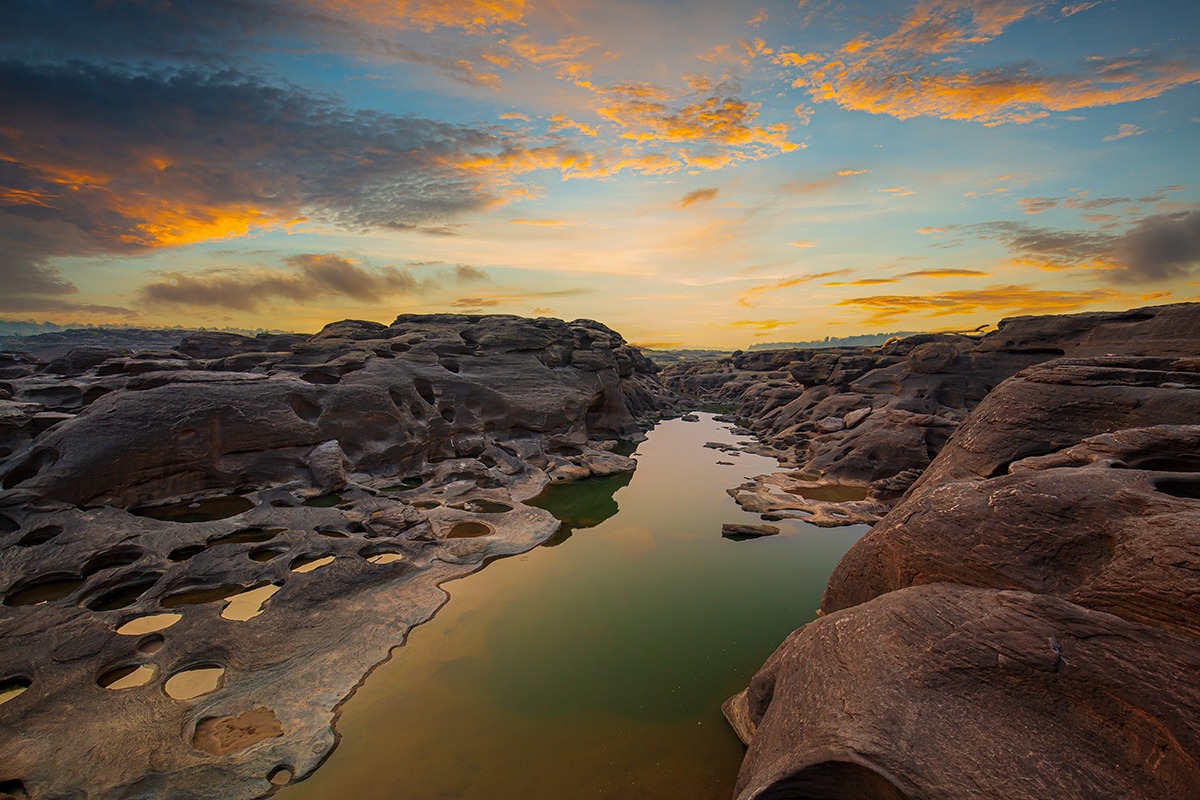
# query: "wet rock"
[744,531]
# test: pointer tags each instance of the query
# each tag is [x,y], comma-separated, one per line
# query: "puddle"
[205,510]
[247,535]
[267,553]
[123,596]
[832,493]
[12,688]
[280,776]
[469,530]
[404,485]
[485,507]
[43,592]
[248,604]
[150,645]
[195,597]
[385,558]
[426,505]
[127,677]
[193,683]
[310,563]
[334,534]
[149,624]
[325,501]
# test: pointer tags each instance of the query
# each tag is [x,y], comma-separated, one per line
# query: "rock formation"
[875,417]
[271,515]
[1024,623]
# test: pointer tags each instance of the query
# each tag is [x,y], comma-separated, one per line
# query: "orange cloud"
[698,196]
[1124,132]
[804,244]
[944,273]
[762,324]
[748,297]
[893,74]
[1012,299]
[541,223]
[558,122]
[863,282]
[471,16]
[760,16]
[845,173]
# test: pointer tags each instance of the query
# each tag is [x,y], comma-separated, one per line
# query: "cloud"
[173,157]
[758,18]
[944,273]
[996,299]
[1078,8]
[762,324]
[541,223]
[803,244]
[751,295]
[846,173]
[913,72]
[466,274]
[864,282]
[474,302]
[1156,248]
[698,196]
[1124,131]
[313,278]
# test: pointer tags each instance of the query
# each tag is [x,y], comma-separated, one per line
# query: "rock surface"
[298,501]
[1024,623]
[875,417]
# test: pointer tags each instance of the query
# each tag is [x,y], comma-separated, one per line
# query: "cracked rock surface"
[1023,624]
[205,547]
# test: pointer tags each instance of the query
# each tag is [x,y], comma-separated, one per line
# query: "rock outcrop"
[1024,623]
[875,417]
[277,511]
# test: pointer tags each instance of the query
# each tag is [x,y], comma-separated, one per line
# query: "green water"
[595,668]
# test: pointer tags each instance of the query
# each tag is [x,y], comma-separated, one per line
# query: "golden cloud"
[864,282]
[1012,299]
[471,16]
[748,297]
[893,74]
[944,273]
[698,196]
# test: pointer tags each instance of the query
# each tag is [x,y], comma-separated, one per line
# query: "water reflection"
[584,504]
[594,670]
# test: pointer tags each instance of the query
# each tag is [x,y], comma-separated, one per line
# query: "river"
[594,667]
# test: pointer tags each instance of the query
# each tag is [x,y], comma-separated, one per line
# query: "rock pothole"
[191,683]
[129,676]
[151,623]
[220,736]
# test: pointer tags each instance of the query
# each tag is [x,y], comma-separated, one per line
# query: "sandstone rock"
[328,465]
[744,531]
[1034,594]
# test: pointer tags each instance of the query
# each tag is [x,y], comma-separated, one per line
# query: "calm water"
[594,668]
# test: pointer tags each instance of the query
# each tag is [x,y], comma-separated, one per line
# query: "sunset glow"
[690,173]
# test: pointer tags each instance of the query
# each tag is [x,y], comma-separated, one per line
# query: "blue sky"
[703,174]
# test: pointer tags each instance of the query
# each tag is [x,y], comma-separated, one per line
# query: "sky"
[699,173]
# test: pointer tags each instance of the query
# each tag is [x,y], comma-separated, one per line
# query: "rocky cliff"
[1024,623]
[204,547]
[874,418]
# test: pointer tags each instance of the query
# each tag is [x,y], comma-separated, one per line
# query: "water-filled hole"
[186,552]
[150,645]
[39,536]
[192,683]
[1185,488]
[831,493]
[485,507]
[124,595]
[405,484]
[43,591]
[325,501]
[385,558]
[117,557]
[11,688]
[202,510]
[319,378]
[248,604]
[310,563]
[199,595]
[246,535]
[280,776]
[148,624]
[127,677]
[426,505]
[264,554]
[334,534]
[469,530]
